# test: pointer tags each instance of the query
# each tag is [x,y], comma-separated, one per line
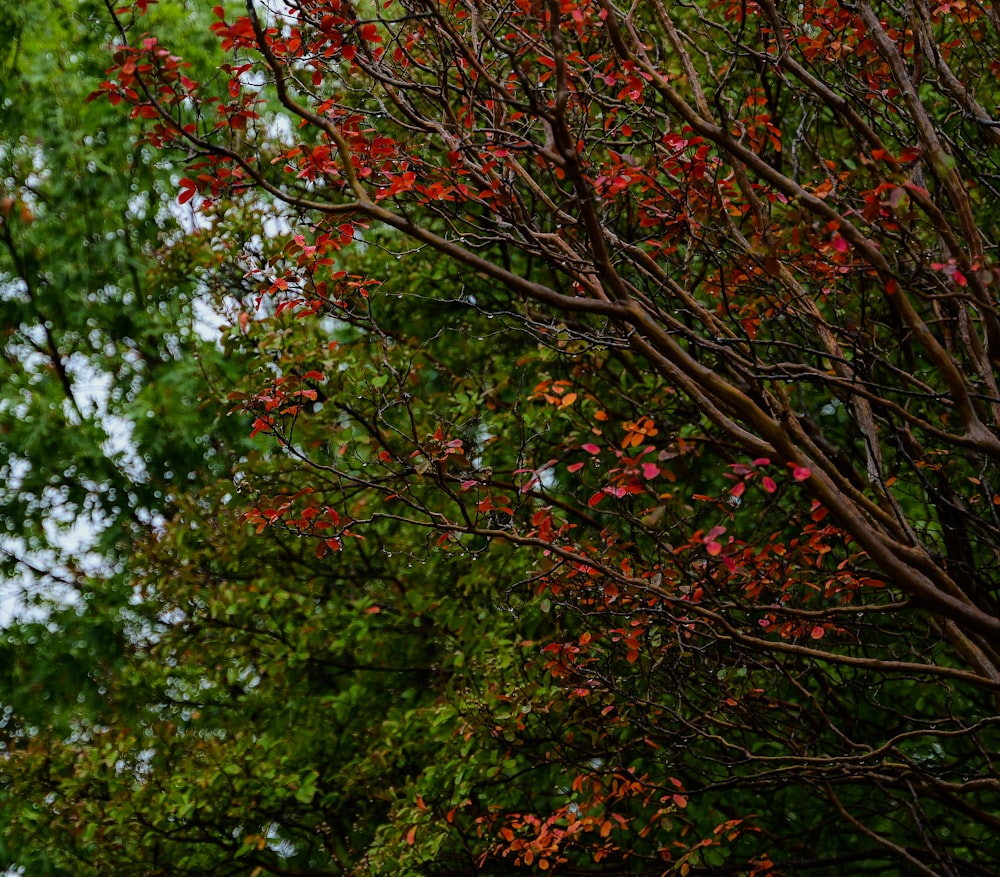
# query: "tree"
[104,411]
[742,443]
[92,324]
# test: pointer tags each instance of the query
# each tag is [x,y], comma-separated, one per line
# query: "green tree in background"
[105,377]
[101,378]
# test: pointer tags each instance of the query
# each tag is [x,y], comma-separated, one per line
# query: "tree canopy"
[622,388]
[106,380]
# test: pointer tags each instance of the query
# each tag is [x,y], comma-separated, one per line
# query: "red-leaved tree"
[749,249]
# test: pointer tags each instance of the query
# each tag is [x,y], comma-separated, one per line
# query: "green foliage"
[619,494]
[105,415]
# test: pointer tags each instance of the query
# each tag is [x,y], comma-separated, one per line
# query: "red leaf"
[261,424]
[769,484]
[189,188]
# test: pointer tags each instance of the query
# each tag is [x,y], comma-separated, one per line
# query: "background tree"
[732,417]
[105,373]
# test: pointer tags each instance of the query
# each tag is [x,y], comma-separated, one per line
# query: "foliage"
[90,323]
[627,385]
[104,412]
